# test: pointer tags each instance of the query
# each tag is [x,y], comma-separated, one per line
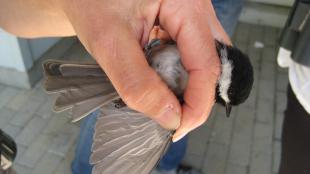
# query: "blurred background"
[246,143]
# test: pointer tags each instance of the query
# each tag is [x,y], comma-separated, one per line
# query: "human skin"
[114,31]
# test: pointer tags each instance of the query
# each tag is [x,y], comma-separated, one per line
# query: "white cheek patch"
[225,77]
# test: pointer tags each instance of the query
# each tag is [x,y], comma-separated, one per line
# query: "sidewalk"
[246,143]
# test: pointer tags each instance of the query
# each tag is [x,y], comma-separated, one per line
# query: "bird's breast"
[166,61]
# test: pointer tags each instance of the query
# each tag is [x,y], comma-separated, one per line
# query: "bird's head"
[236,79]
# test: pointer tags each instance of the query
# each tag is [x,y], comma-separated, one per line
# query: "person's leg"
[228,12]
[80,164]
[173,156]
[295,156]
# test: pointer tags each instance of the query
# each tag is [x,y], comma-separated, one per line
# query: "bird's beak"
[228,109]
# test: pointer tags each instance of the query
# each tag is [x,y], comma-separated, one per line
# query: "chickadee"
[234,84]
[126,141]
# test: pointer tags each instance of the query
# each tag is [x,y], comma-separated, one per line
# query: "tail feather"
[70,97]
[78,70]
[82,87]
[81,110]
[59,84]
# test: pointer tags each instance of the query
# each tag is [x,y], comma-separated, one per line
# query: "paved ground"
[246,143]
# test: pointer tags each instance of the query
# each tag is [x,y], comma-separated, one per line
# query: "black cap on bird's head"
[236,79]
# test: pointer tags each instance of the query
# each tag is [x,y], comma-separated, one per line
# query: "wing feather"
[71,96]
[78,70]
[81,110]
[127,142]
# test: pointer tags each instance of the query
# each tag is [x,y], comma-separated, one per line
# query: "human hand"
[114,32]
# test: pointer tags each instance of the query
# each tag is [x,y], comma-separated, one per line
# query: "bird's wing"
[81,87]
[127,142]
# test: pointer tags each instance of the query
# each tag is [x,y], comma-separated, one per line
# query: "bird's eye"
[157,65]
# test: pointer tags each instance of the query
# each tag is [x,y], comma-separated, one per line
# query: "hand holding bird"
[126,141]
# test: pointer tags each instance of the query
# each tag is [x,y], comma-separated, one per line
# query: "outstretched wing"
[127,142]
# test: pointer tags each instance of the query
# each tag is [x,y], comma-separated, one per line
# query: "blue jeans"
[80,164]
[227,12]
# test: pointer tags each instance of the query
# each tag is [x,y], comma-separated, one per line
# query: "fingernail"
[176,138]
[169,118]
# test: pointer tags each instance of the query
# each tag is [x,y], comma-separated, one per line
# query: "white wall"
[20,54]
[10,53]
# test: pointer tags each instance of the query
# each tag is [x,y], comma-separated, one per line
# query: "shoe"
[182,169]
[156,171]
[185,169]
[8,171]
[8,151]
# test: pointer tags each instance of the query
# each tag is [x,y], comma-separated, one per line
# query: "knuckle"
[134,95]
[168,9]
[142,95]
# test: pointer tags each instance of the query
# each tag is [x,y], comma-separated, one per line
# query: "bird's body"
[125,140]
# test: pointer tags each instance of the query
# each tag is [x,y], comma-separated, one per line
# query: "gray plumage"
[126,141]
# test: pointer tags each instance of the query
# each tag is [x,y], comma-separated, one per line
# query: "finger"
[163,35]
[120,55]
[153,33]
[190,28]
[158,33]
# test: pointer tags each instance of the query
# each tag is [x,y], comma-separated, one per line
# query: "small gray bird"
[126,141]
